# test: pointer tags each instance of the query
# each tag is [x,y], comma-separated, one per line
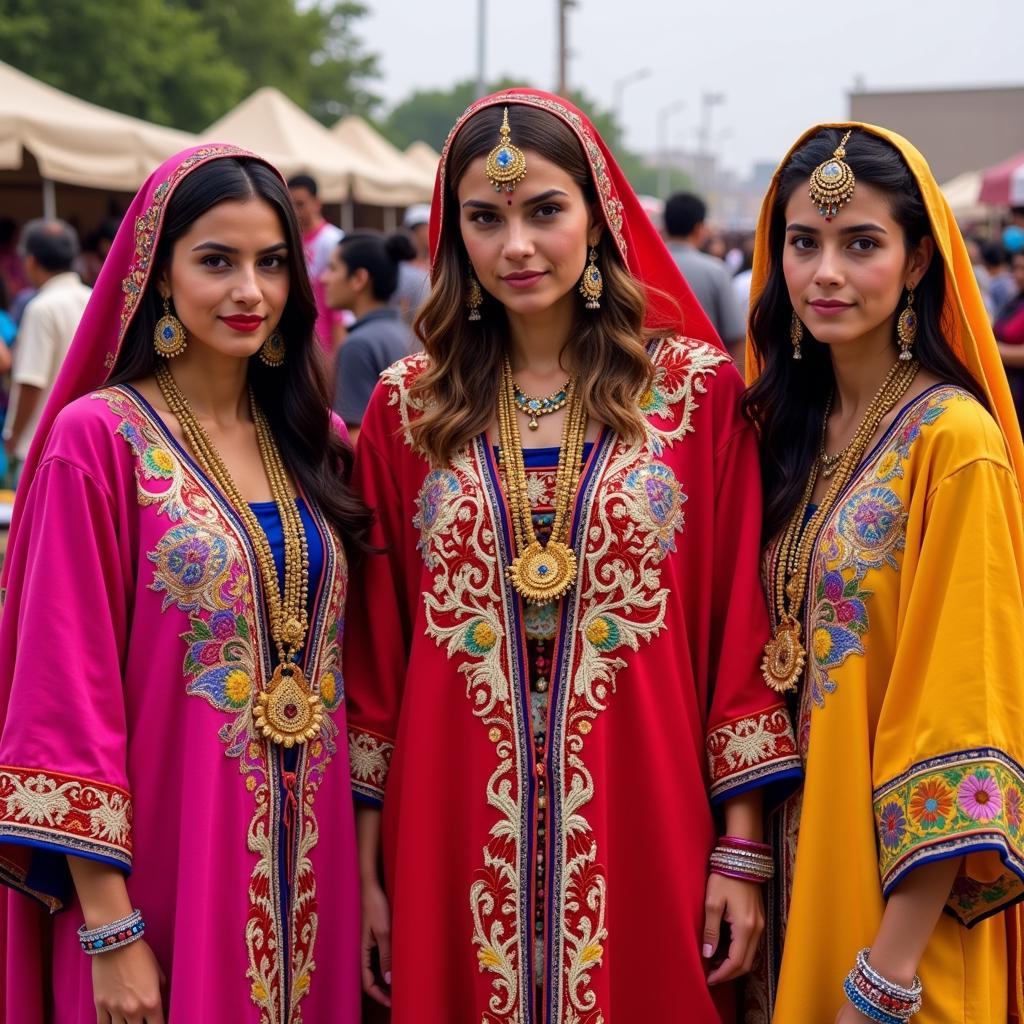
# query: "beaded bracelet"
[112,936]
[879,998]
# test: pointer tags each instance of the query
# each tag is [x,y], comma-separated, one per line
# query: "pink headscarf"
[670,303]
[115,300]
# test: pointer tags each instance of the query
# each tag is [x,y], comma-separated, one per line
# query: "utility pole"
[563,45]
[481,48]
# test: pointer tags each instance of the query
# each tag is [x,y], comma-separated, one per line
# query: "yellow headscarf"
[972,339]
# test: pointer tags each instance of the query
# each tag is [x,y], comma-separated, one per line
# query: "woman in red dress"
[553,669]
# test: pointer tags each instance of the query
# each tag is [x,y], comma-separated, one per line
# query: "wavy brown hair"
[607,348]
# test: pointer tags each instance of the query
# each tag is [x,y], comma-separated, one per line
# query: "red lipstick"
[243,322]
[523,278]
[829,307]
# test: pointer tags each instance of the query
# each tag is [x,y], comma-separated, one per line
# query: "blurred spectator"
[319,240]
[981,275]
[96,247]
[47,326]
[1009,331]
[8,329]
[1001,287]
[744,275]
[414,274]
[12,273]
[715,245]
[362,276]
[707,275]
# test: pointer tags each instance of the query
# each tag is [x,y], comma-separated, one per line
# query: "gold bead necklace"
[286,712]
[541,572]
[784,654]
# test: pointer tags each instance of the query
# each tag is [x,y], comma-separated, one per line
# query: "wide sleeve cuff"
[47,815]
[369,756]
[753,750]
[957,805]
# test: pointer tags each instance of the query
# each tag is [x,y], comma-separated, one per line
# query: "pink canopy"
[1003,185]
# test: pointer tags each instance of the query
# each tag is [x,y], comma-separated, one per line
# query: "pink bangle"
[744,844]
[741,875]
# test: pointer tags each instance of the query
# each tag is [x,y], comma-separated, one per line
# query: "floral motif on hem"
[750,748]
[966,802]
[632,512]
[201,569]
[369,757]
[82,815]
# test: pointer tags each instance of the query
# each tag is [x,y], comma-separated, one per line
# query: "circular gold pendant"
[543,573]
[286,712]
[784,656]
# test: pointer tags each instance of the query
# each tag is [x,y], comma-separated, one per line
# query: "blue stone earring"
[169,337]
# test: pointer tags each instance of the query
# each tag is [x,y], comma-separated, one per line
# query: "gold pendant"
[784,656]
[543,573]
[286,712]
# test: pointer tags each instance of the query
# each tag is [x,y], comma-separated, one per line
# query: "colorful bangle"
[112,936]
[877,997]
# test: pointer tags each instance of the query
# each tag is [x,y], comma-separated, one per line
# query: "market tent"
[424,156]
[75,142]
[1003,185]
[408,181]
[962,193]
[271,124]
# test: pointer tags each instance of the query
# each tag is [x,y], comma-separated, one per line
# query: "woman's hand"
[126,985]
[848,1014]
[376,932]
[739,903]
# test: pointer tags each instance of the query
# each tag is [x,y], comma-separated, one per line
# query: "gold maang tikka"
[832,182]
[506,163]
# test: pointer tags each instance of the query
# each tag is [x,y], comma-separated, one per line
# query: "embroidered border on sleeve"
[750,748]
[970,801]
[81,815]
[369,758]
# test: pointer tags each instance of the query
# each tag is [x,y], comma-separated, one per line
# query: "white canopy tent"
[408,182]
[424,156]
[75,142]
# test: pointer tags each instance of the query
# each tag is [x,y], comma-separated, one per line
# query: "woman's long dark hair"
[294,396]
[787,402]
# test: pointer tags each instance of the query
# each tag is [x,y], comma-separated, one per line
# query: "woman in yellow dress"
[893,464]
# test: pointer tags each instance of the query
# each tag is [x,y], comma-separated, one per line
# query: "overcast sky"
[781,64]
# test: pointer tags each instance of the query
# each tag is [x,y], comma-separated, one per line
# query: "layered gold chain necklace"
[784,654]
[541,572]
[286,712]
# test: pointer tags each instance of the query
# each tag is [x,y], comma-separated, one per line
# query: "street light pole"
[663,169]
[619,87]
[708,102]
[481,48]
[563,45]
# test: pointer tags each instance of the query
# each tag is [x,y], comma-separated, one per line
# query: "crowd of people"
[437,627]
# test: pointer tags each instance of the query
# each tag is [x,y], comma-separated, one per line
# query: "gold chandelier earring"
[592,284]
[169,336]
[906,328]
[796,335]
[474,297]
[272,351]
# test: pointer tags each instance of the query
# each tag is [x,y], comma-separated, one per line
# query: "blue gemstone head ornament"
[506,164]
[832,182]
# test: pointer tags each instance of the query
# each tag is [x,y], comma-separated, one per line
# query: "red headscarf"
[638,242]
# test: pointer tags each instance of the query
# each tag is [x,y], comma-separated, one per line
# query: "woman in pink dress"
[170,691]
